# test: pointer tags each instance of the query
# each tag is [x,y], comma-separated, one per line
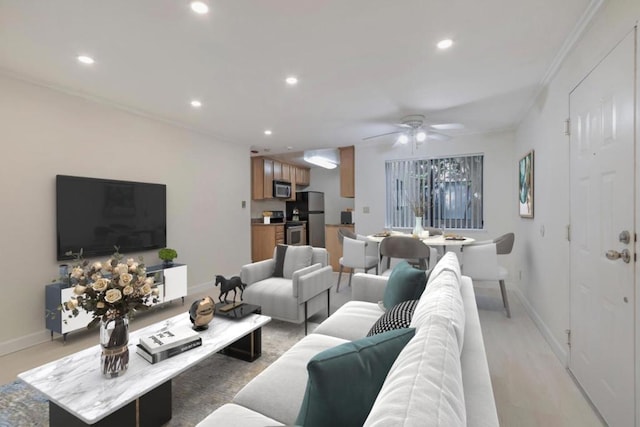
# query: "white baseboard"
[557,348]
[26,341]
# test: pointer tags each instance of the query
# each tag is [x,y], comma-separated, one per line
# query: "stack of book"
[167,343]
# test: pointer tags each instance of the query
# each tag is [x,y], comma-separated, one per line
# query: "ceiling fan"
[415,129]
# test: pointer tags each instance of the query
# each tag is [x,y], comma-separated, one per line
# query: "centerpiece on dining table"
[417,206]
[112,292]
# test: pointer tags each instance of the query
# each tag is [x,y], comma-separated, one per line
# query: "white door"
[602,154]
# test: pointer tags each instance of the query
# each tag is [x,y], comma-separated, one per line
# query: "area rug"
[196,392]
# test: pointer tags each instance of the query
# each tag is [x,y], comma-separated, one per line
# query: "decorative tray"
[453,237]
[382,234]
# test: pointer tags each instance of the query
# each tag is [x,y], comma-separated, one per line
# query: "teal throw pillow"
[345,380]
[405,283]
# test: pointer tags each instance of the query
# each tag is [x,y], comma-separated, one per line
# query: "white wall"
[544,259]
[45,132]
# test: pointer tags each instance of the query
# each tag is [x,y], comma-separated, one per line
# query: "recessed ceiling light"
[199,7]
[268,132]
[86,59]
[445,44]
[196,104]
[292,80]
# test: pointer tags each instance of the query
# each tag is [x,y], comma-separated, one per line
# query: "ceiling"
[362,64]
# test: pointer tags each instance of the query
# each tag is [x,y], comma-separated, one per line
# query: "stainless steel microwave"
[281,189]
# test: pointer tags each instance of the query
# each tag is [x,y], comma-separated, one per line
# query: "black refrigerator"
[310,205]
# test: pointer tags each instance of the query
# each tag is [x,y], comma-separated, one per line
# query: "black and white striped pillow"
[399,316]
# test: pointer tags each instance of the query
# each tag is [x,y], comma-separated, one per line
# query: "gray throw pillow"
[296,257]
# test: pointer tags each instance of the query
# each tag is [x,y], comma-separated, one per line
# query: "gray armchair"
[297,295]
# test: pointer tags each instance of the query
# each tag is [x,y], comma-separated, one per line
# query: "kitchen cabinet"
[264,238]
[261,178]
[286,173]
[267,190]
[277,171]
[332,244]
[347,172]
[265,170]
[302,176]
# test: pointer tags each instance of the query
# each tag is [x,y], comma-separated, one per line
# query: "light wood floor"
[530,385]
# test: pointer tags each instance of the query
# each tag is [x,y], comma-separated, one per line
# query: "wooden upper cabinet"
[277,170]
[268,179]
[286,172]
[265,170]
[347,172]
[257,178]
[302,176]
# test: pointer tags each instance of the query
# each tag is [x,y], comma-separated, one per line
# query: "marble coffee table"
[79,395]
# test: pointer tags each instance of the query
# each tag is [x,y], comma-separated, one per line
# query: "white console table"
[171,282]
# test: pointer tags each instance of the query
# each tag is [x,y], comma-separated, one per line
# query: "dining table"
[441,243]
[441,240]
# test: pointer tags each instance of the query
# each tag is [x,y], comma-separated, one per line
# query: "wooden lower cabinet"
[333,244]
[264,238]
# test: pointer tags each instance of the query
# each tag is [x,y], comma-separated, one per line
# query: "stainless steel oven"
[296,234]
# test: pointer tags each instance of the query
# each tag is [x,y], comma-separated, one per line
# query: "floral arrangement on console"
[110,290]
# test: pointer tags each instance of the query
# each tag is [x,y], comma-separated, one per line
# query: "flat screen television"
[96,215]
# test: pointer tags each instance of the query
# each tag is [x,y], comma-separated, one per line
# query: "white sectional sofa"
[440,378]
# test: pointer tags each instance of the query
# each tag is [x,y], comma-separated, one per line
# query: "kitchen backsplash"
[258,206]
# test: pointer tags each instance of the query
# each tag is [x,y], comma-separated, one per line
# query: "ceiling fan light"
[448,126]
[403,139]
[421,136]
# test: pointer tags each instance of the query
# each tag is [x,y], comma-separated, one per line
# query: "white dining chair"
[480,262]
[357,253]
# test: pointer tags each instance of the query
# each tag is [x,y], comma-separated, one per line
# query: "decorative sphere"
[201,313]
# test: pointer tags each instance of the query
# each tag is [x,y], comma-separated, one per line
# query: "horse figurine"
[227,285]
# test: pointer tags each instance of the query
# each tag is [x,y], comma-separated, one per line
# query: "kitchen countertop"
[259,221]
[267,225]
[339,225]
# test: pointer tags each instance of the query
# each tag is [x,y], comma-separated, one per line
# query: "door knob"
[624,254]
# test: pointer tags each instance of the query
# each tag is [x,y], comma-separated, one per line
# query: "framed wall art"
[525,185]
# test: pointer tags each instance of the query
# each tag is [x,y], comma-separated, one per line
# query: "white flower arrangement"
[110,290]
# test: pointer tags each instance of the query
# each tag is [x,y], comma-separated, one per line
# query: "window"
[446,192]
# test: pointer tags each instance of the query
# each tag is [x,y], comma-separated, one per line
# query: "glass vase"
[417,229]
[114,339]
